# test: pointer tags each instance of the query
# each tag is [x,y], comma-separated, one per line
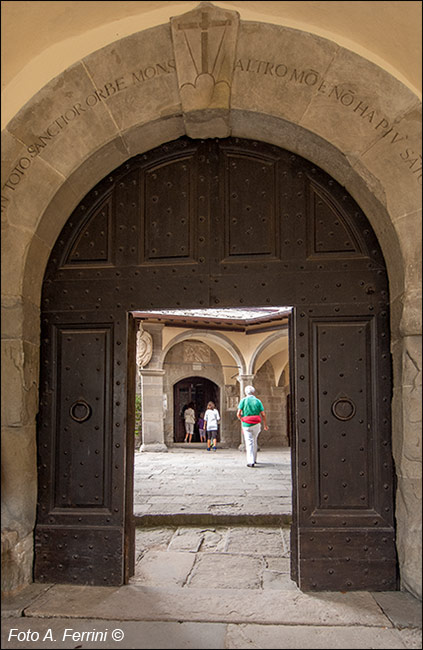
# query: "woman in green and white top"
[251,415]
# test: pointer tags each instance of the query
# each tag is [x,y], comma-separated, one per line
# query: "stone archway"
[217,339]
[362,146]
[273,338]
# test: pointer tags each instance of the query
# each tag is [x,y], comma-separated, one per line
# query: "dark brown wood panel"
[83,418]
[251,216]
[93,244]
[169,200]
[90,556]
[329,230]
[344,419]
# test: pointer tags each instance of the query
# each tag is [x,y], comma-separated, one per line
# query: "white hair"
[249,390]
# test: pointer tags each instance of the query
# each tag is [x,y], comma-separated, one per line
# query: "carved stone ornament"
[196,353]
[204,42]
[144,348]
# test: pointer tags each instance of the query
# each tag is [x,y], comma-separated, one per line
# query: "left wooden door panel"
[79,531]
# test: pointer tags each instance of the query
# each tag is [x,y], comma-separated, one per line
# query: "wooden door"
[219,223]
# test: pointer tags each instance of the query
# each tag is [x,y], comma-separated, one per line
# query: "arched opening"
[197,391]
[272,228]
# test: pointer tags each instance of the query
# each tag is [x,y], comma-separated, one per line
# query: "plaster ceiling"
[41,39]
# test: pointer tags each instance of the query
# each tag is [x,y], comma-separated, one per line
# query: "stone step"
[140,603]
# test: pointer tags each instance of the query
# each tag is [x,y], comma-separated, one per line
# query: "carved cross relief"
[204,41]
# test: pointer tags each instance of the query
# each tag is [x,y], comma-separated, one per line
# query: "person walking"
[189,417]
[211,419]
[202,427]
[251,415]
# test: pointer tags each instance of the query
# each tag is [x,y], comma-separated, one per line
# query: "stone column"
[152,393]
[152,410]
[244,380]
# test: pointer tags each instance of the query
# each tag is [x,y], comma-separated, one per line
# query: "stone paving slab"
[258,541]
[233,572]
[167,568]
[143,635]
[136,602]
[401,608]
[14,605]
[215,557]
[304,637]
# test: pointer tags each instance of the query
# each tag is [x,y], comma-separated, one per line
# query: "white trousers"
[250,437]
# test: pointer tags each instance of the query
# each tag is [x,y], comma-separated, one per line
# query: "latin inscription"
[339,93]
[72,113]
[345,97]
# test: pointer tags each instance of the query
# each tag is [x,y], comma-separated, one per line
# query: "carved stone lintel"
[204,42]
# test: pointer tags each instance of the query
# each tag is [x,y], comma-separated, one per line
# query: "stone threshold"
[206,519]
[196,445]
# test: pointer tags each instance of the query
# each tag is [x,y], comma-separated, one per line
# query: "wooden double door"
[218,223]
[198,390]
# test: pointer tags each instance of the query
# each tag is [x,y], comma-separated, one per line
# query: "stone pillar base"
[155,447]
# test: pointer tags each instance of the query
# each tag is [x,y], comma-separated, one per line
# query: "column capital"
[152,372]
[245,379]
[151,327]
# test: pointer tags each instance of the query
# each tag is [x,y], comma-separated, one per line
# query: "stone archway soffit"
[286,366]
[261,348]
[210,338]
[253,80]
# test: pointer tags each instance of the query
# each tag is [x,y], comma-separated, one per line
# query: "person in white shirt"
[211,419]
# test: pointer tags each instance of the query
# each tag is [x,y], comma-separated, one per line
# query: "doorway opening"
[196,392]
[182,494]
[196,357]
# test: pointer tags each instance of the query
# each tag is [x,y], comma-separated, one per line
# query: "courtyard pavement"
[191,483]
[215,581]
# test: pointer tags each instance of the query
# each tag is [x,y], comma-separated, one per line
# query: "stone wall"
[274,402]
